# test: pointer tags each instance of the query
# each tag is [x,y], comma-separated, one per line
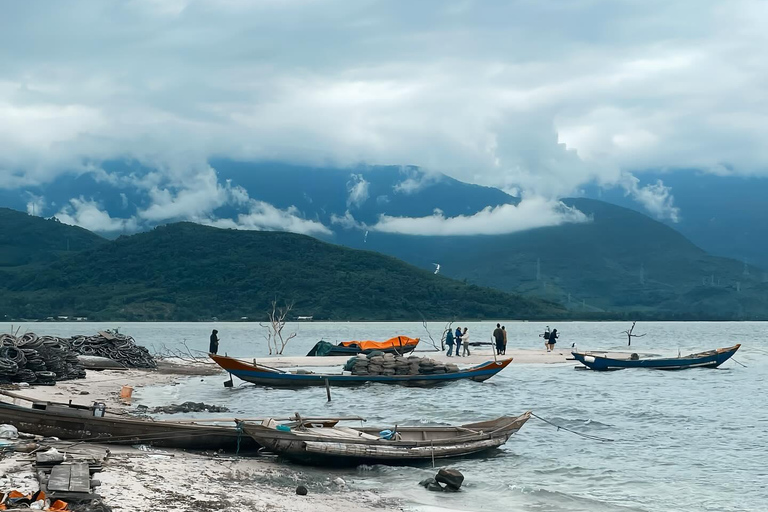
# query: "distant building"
[307,318]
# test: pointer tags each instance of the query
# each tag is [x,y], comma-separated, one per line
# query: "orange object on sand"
[16,494]
[126,392]
[396,342]
[58,505]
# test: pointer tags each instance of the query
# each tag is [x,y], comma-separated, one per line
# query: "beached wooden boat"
[321,443]
[266,376]
[397,345]
[69,421]
[708,359]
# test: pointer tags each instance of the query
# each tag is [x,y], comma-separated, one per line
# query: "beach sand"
[175,480]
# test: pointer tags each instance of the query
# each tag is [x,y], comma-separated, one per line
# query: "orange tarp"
[397,342]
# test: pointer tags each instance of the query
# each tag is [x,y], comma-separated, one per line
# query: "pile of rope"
[115,346]
[37,360]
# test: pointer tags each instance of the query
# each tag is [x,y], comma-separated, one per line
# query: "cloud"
[537,96]
[197,197]
[358,190]
[530,213]
[347,221]
[265,217]
[416,180]
[657,198]
[35,205]
[89,215]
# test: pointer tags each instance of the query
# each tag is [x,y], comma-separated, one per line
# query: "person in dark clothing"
[504,349]
[457,339]
[214,347]
[552,340]
[498,336]
[449,341]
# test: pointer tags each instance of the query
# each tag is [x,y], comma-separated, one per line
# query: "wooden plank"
[80,478]
[59,480]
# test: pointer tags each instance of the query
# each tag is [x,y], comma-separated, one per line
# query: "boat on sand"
[708,359]
[267,376]
[327,443]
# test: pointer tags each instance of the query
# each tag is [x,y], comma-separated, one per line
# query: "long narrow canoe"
[708,359]
[78,422]
[329,444]
[266,376]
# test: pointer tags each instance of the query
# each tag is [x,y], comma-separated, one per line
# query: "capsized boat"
[329,444]
[94,423]
[397,345]
[274,377]
[708,359]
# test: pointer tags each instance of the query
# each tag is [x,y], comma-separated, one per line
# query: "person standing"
[498,336]
[457,338]
[504,348]
[465,340]
[214,346]
[552,340]
[449,341]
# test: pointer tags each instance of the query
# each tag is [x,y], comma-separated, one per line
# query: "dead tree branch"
[629,334]
[274,335]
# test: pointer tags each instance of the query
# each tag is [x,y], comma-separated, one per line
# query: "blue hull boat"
[708,359]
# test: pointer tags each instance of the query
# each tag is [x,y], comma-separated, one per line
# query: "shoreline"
[146,478]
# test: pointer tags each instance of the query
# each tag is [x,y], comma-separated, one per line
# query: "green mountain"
[186,271]
[26,239]
[621,261]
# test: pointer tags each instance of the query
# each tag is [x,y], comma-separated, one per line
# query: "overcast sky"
[537,97]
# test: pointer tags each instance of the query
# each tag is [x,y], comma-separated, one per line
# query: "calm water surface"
[695,440]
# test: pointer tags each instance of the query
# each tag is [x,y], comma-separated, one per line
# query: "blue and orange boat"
[266,376]
[708,359]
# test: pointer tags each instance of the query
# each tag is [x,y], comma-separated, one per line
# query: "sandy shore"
[175,480]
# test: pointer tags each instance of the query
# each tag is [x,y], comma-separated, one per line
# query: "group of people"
[500,337]
[550,338]
[455,339]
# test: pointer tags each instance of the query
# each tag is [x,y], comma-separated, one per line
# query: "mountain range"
[619,262]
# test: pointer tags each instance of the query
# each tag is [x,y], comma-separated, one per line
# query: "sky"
[536,97]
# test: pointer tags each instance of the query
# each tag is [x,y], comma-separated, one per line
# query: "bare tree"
[629,334]
[274,330]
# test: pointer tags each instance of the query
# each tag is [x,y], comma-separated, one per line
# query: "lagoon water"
[691,441]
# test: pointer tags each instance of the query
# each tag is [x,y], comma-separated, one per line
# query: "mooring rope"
[735,361]
[587,436]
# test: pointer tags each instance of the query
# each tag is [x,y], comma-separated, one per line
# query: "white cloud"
[528,214]
[199,196]
[35,205]
[358,190]
[347,221]
[657,198]
[88,214]
[540,96]
[265,217]
[416,180]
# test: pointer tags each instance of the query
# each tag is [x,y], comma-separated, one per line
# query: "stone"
[338,481]
[301,490]
[452,478]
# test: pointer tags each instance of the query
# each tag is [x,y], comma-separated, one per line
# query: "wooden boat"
[708,359]
[70,421]
[306,441]
[397,345]
[266,376]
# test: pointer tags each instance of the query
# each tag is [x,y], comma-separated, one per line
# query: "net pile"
[37,359]
[115,346]
[390,364]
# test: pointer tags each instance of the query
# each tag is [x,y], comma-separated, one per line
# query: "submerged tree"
[274,330]
[630,335]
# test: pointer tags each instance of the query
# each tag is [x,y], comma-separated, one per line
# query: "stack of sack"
[379,363]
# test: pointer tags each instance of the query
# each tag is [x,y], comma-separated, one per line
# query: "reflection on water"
[685,441]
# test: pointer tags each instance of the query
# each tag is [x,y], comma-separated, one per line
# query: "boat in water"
[327,443]
[708,359]
[94,423]
[397,345]
[274,377]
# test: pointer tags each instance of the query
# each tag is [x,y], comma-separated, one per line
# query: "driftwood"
[629,334]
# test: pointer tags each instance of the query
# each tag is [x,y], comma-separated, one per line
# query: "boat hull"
[322,450]
[77,426]
[709,359]
[264,376]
